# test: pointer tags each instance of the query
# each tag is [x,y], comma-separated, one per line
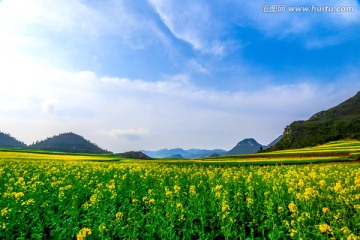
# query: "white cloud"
[197,67]
[203,26]
[72,33]
[39,98]
[179,19]
[128,134]
[192,22]
[173,112]
[49,106]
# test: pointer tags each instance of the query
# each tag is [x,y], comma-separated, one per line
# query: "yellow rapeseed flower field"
[57,199]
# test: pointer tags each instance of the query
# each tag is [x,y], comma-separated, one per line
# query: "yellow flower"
[20,179]
[17,195]
[192,190]
[102,227]
[280,209]
[179,205]
[83,233]
[217,195]
[345,230]
[352,237]
[5,211]
[217,188]
[225,207]
[249,200]
[177,189]
[86,206]
[249,177]
[150,191]
[93,198]
[337,187]
[324,228]
[292,207]
[119,215]
[301,183]
[111,185]
[322,183]
[325,210]
[357,182]
[306,214]
[309,192]
[293,232]
[28,202]
[152,201]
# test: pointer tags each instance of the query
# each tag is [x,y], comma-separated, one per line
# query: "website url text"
[281,8]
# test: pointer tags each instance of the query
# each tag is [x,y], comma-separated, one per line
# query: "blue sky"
[153,74]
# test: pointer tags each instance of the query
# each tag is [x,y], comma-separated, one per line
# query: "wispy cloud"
[56,32]
[197,67]
[128,134]
[192,22]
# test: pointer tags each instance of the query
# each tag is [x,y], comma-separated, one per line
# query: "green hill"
[246,146]
[340,122]
[68,142]
[7,141]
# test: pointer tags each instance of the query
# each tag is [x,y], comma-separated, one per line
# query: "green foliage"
[67,142]
[7,141]
[340,122]
[354,156]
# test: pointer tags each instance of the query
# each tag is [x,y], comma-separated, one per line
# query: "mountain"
[191,153]
[246,146]
[273,143]
[7,141]
[175,156]
[134,155]
[339,122]
[67,142]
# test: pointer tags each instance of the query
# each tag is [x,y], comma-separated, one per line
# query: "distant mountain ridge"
[134,155]
[273,143]
[250,146]
[68,142]
[7,141]
[339,122]
[246,146]
[190,153]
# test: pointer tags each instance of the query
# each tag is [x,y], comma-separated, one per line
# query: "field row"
[344,150]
